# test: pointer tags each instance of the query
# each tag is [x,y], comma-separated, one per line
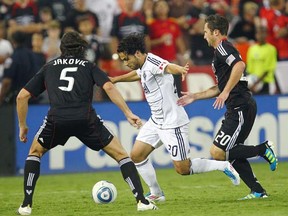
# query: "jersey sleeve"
[157,64]
[37,84]
[228,54]
[99,76]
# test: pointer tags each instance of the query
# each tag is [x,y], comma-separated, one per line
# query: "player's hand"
[187,98]
[112,79]
[23,131]
[184,71]
[220,100]
[134,120]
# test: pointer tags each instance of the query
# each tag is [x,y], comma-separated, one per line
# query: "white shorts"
[175,140]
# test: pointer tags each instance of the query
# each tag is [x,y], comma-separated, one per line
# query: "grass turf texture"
[203,194]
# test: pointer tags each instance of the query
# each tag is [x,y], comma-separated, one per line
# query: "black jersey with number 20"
[69,83]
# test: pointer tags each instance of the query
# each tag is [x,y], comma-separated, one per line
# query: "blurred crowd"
[30,33]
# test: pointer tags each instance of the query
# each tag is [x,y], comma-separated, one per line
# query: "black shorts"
[236,126]
[90,131]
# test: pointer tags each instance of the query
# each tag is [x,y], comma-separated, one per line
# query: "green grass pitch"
[199,195]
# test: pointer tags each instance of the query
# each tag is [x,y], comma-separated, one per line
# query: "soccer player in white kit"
[168,123]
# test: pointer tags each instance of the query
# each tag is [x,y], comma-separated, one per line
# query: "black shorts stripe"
[181,144]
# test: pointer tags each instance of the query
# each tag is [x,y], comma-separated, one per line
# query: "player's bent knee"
[182,169]
[217,155]
[136,158]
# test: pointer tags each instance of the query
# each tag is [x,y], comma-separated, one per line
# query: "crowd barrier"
[271,123]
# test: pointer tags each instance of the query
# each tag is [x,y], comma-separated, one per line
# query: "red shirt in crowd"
[157,29]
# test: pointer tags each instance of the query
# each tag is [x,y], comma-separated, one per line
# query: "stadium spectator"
[80,10]
[86,28]
[51,44]
[168,123]
[261,63]
[201,54]
[127,22]
[276,22]
[244,30]
[18,69]
[71,114]
[45,17]
[24,17]
[166,38]
[5,9]
[39,57]
[147,10]
[232,91]
[59,9]
[6,49]
[105,11]
[179,10]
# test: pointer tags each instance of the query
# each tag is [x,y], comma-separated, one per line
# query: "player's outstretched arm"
[128,77]
[22,110]
[177,70]
[117,99]
[189,97]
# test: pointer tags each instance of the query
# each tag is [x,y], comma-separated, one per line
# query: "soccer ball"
[104,192]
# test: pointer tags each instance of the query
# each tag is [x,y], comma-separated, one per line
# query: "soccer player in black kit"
[69,81]
[231,90]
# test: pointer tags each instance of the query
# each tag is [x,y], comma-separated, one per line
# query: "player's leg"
[234,130]
[48,136]
[96,136]
[177,144]
[115,150]
[31,174]
[146,142]
[242,123]
[245,171]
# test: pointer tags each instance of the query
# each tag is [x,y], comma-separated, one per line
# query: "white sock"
[148,174]
[199,165]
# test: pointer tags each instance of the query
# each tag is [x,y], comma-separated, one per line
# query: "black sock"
[242,166]
[31,174]
[130,175]
[245,151]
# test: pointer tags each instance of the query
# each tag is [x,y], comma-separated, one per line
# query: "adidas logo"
[28,192]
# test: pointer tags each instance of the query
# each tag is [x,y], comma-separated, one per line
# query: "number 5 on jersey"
[64,76]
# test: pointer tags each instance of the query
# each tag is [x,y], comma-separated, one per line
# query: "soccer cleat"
[269,155]
[155,198]
[232,174]
[144,207]
[254,195]
[24,210]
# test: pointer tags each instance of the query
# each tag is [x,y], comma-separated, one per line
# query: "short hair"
[132,43]
[54,24]
[19,38]
[72,44]
[217,22]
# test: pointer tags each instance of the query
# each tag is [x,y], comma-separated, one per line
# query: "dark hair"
[72,44]
[217,22]
[132,43]
[19,38]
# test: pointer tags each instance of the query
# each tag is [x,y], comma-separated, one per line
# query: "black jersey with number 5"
[69,83]
[225,57]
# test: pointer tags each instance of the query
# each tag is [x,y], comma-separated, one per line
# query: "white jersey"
[161,94]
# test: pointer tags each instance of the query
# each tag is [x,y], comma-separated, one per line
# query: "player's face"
[208,35]
[129,60]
